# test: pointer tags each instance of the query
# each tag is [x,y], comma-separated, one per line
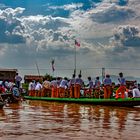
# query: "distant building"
[8,74]
[29,78]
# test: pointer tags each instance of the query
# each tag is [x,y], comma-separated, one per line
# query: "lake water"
[39,120]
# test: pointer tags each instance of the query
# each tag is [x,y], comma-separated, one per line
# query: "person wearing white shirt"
[135,92]
[63,87]
[78,84]
[18,79]
[38,89]
[31,88]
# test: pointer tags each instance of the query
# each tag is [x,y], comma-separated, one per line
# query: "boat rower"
[63,87]
[71,86]
[78,84]
[122,87]
[90,86]
[97,87]
[107,86]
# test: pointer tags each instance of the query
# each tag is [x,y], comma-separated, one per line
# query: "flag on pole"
[77,43]
[52,62]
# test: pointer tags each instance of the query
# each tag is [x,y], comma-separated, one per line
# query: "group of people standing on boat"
[57,87]
[75,88]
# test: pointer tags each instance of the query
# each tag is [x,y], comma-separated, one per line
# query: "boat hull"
[107,102]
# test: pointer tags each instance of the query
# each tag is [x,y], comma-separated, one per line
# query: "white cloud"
[71,7]
[9,21]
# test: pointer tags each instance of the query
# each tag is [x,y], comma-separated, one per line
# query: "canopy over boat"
[129,102]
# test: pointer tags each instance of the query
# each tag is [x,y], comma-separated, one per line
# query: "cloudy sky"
[37,31]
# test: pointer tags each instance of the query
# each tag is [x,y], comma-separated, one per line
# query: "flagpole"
[53,69]
[75,58]
[37,68]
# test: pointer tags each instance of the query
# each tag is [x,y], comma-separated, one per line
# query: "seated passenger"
[135,92]
[15,93]
[2,89]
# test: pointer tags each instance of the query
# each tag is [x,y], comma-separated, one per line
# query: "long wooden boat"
[129,102]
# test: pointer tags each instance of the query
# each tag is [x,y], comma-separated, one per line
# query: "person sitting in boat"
[63,87]
[89,89]
[107,86]
[122,88]
[71,86]
[78,85]
[6,85]
[2,88]
[16,93]
[135,92]
[97,87]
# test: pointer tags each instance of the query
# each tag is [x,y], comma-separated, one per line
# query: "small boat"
[8,97]
[127,102]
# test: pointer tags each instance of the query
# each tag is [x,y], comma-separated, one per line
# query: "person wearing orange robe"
[71,86]
[77,87]
[46,89]
[53,87]
[63,87]
[122,87]
[107,86]
[97,87]
[31,88]
[90,86]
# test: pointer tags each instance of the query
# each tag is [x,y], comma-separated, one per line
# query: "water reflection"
[50,120]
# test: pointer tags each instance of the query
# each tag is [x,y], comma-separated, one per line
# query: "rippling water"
[40,120]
